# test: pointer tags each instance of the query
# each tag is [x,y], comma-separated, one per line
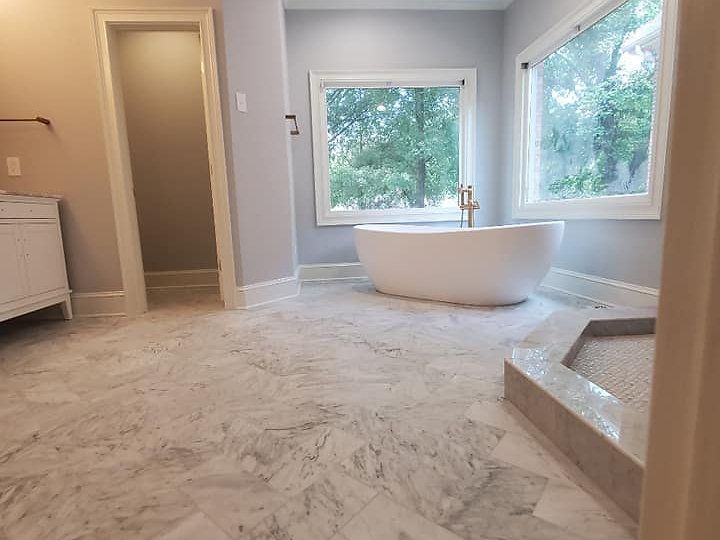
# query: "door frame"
[105,23]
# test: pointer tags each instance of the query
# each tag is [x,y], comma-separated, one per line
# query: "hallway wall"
[162,93]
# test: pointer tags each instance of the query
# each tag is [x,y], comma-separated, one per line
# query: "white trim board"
[181,279]
[99,304]
[599,289]
[267,292]
[331,272]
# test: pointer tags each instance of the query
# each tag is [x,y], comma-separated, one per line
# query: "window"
[592,114]
[392,147]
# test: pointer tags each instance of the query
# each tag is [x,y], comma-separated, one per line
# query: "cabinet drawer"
[25,210]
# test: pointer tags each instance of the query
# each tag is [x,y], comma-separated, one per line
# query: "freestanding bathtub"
[489,266]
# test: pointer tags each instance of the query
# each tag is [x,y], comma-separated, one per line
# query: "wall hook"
[295,130]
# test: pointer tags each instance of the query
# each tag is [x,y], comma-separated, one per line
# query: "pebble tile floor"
[341,414]
[622,365]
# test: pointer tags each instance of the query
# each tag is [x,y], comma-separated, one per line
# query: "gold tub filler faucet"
[466,201]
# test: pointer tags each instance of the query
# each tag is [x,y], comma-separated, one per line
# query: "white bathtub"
[487,267]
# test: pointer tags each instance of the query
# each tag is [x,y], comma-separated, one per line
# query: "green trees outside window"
[393,147]
[592,108]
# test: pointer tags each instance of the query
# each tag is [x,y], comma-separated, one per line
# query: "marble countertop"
[29,194]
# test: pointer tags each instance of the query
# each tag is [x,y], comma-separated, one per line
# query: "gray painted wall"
[327,40]
[629,251]
[257,141]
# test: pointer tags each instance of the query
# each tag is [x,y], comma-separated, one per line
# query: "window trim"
[319,80]
[647,206]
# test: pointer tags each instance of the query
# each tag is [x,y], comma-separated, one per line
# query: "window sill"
[361,218]
[622,207]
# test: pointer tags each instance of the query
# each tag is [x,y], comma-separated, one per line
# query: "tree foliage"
[598,95]
[398,147]
[392,147]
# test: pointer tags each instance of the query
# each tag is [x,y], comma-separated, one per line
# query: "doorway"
[163,131]
[161,87]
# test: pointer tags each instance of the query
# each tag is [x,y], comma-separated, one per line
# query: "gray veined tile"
[317,513]
[121,500]
[525,452]
[571,508]
[194,527]
[291,459]
[500,414]
[449,478]
[235,500]
[384,519]
[267,404]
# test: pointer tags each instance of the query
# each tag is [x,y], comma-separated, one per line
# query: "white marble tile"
[196,526]
[290,460]
[525,452]
[571,508]
[498,413]
[317,513]
[282,420]
[235,501]
[383,519]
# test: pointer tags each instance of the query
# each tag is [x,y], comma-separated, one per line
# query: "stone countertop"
[29,194]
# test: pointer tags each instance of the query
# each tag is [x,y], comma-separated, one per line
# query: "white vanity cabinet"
[32,261]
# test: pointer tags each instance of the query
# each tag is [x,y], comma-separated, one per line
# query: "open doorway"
[161,87]
[163,129]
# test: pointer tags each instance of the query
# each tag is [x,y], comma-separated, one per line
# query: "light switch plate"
[241,102]
[13,166]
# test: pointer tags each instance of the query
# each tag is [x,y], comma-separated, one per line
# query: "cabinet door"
[44,258]
[12,270]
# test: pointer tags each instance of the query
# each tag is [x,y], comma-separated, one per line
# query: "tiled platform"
[601,434]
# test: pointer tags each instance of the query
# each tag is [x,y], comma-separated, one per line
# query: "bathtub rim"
[430,229]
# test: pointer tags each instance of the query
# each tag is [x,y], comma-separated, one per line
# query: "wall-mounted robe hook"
[295,130]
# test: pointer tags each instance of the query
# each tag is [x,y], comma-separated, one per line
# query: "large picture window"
[593,114]
[391,147]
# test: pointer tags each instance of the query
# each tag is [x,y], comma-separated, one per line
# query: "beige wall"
[162,93]
[48,67]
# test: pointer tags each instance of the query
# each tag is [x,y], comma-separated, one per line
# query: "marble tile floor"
[342,414]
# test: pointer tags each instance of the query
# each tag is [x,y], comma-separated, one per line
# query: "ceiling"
[399,4]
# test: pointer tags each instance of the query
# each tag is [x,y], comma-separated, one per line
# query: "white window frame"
[646,206]
[320,80]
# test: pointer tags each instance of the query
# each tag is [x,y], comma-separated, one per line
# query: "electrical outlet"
[13,166]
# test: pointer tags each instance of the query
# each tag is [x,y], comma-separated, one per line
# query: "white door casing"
[106,22]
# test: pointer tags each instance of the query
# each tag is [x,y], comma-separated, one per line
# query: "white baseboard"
[181,279]
[600,289]
[331,272]
[259,294]
[98,304]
